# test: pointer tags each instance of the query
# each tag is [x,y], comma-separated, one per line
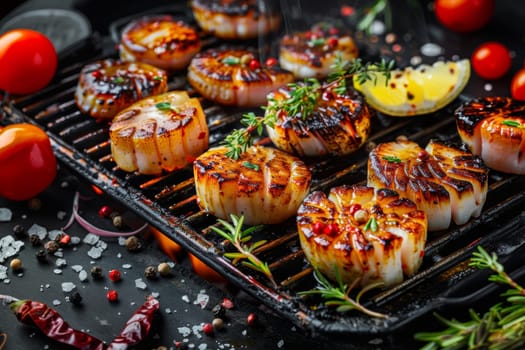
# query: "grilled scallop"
[235,19]
[108,86]
[159,133]
[312,54]
[375,236]
[265,185]
[448,183]
[494,129]
[161,41]
[338,125]
[235,77]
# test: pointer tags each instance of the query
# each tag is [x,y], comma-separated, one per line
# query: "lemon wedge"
[416,90]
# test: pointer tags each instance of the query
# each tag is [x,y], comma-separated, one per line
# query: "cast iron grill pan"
[168,202]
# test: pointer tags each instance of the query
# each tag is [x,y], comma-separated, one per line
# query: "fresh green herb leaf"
[317,42]
[371,225]
[512,123]
[501,327]
[118,80]
[239,238]
[163,106]
[250,166]
[157,77]
[338,295]
[302,100]
[230,60]
[392,159]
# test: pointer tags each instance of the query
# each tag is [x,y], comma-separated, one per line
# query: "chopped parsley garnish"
[230,60]
[392,159]
[371,225]
[512,123]
[163,106]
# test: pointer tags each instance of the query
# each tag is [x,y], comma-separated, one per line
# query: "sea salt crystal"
[95,252]
[197,330]
[77,268]
[9,247]
[59,254]
[57,271]
[202,299]
[126,266]
[68,287]
[56,302]
[487,87]
[5,214]
[7,281]
[61,262]
[139,283]
[203,346]
[185,298]
[91,239]
[54,233]
[119,255]
[38,230]
[167,310]
[82,276]
[61,215]
[122,241]
[75,240]
[431,50]
[280,343]
[3,272]
[155,294]
[102,245]
[184,331]
[377,28]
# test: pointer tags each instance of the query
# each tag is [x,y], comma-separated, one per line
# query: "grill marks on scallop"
[338,125]
[383,252]
[264,184]
[150,140]
[494,129]
[445,181]
[225,76]
[108,86]
[160,41]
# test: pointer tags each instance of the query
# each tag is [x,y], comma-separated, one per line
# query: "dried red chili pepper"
[137,327]
[53,325]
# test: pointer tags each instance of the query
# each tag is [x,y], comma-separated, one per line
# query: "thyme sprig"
[302,100]
[501,327]
[239,238]
[339,295]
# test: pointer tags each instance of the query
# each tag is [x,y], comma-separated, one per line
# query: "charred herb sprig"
[239,238]
[302,100]
[339,295]
[501,327]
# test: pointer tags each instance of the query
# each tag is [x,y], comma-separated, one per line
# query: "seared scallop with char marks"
[159,133]
[235,77]
[357,232]
[108,86]
[494,129]
[338,124]
[264,184]
[161,41]
[235,19]
[447,182]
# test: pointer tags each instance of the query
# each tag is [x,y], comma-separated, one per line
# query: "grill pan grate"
[169,203]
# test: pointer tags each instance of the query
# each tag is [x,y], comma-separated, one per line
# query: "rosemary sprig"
[501,327]
[302,100]
[379,6]
[339,295]
[240,238]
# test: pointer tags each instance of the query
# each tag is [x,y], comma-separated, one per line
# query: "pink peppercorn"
[114,275]
[112,295]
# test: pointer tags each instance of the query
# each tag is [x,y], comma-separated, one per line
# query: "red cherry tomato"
[491,60]
[27,162]
[464,15]
[517,85]
[28,61]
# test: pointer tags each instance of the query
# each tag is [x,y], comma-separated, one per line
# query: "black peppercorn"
[150,272]
[96,272]
[218,311]
[41,255]
[75,298]
[35,240]
[19,230]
